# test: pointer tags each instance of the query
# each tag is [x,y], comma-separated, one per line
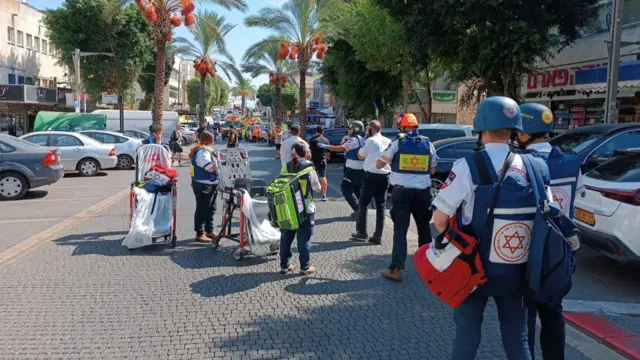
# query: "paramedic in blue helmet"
[353,177]
[491,193]
[304,234]
[413,160]
[564,169]
[204,182]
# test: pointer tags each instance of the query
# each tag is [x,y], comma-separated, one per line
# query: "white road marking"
[27,220]
[52,200]
[88,186]
[602,307]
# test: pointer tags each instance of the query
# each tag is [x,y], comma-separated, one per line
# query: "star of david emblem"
[508,245]
[414,161]
[558,200]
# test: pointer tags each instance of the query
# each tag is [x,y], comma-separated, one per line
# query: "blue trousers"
[512,314]
[552,331]
[304,235]
[351,185]
[374,187]
[407,202]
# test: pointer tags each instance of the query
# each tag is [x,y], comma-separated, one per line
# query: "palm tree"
[298,23]
[207,49]
[164,14]
[261,58]
[244,89]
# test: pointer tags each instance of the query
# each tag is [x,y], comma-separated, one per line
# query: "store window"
[20,38]
[12,79]
[29,41]
[36,42]
[11,35]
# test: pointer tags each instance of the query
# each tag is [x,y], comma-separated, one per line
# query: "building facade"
[29,73]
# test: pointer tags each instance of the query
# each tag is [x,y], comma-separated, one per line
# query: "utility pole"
[614,61]
[77,54]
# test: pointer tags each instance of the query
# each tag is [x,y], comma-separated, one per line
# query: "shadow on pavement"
[195,256]
[222,285]
[335,219]
[104,243]
[69,175]
[35,194]
[333,246]
[323,286]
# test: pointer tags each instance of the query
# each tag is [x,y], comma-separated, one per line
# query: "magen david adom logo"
[547,117]
[510,111]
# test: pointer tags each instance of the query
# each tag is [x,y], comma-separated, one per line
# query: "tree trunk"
[146,103]
[278,106]
[302,107]
[203,77]
[405,93]
[425,111]
[158,86]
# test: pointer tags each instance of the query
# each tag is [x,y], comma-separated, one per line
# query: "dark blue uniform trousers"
[351,185]
[407,202]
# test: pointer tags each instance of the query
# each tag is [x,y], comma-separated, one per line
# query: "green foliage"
[290,97]
[81,24]
[356,85]
[266,94]
[490,44]
[216,92]
[146,79]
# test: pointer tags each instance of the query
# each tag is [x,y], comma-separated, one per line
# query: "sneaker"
[287,270]
[359,237]
[308,271]
[392,274]
[375,240]
[324,198]
[202,238]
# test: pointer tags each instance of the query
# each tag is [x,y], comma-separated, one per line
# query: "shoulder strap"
[535,178]
[505,168]
[483,170]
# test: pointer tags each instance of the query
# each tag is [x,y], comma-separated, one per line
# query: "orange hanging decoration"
[175,20]
[317,38]
[141,5]
[187,7]
[189,19]
[294,52]
[272,81]
[150,13]
[170,36]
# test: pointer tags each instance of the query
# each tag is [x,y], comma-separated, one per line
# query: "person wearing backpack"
[204,181]
[309,183]
[490,192]
[564,169]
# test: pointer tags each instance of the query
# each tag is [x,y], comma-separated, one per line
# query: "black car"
[448,151]
[595,144]
[335,137]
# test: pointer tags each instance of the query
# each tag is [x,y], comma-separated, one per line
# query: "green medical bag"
[287,204]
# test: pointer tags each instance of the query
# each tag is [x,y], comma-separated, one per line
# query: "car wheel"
[125,162]
[88,167]
[13,186]
[436,184]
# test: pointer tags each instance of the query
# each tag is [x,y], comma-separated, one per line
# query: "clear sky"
[238,40]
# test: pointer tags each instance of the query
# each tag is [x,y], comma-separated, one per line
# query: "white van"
[140,120]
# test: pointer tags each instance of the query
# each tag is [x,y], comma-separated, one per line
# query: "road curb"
[608,333]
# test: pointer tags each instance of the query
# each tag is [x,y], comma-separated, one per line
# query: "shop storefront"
[19,105]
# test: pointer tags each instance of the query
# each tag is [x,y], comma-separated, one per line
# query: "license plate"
[585,216]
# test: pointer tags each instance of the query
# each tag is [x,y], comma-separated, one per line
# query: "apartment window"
[20,80]
[12,79]
[51,49]
[29,41]
[44,46]
[36,42]
[20,38]
[11,35]
[29,81]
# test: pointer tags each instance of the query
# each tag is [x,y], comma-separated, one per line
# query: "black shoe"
[375,240]
[354,215]
[359,237]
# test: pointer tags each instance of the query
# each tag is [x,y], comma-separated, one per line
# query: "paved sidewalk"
[84,296]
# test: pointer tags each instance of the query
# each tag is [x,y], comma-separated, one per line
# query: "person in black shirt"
[319,158]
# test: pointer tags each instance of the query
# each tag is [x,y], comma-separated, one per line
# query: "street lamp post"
[614,61]
[76,60]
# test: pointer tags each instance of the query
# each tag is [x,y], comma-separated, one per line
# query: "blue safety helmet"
[498,112]
[536,118]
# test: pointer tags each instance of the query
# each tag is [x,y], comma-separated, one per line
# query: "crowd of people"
[485,193]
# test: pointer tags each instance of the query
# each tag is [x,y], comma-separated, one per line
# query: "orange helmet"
[408,120]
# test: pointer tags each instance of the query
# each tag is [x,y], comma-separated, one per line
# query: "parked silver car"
[125,146]
[79,152]
[25,166]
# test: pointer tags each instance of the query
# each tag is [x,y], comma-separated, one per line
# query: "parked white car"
[125,146]
[78,152]
[607,210]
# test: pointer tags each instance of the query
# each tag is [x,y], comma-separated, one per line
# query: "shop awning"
[596,79]
[62,121]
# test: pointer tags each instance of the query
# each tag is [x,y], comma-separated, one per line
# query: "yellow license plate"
[585,216]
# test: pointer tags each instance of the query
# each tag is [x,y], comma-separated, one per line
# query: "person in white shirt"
[287,145]
[375,185]
[413,160]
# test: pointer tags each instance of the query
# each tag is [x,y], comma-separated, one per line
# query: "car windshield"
[622,168]
[576,141]
[439,134]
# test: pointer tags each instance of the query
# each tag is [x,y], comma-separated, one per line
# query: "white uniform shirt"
[353,143]
[286,148]
[459,189]
[371,151]
[417,181]
[560,195]
[204,159]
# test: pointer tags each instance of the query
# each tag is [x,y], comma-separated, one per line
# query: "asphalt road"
[80,294]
